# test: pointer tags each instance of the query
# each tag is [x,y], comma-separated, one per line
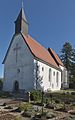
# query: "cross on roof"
[22,4]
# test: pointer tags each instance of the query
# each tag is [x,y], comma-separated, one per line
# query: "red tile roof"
[39,51]
[57,59]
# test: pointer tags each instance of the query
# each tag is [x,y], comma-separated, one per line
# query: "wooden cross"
[16,49]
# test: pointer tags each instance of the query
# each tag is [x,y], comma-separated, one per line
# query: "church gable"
[17,51]
[18,65]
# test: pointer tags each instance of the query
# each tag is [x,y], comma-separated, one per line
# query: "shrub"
[25,106]
[35,95]
[1,84]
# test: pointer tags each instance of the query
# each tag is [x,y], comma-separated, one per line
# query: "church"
[28,65]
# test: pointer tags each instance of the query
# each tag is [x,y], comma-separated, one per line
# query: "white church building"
[28,65]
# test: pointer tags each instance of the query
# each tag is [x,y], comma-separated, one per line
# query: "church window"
[50,75]
[57,79]
[54,73]
[18,70]
[42,68]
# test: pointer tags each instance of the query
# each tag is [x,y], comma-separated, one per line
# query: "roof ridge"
[35,47]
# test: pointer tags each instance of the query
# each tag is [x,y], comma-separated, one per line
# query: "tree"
[72,69]
[68,58]
[67,55]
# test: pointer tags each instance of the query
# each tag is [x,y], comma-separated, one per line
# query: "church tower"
[21,23]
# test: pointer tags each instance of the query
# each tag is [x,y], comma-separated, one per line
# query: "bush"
[25,106]
[1,84]
[35,95]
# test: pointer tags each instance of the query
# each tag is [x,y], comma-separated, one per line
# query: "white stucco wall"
[65,83]
[46,84]
[24,64]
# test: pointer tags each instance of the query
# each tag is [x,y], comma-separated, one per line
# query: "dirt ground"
[5,114]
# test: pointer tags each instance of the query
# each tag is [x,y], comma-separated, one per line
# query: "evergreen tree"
[67,55]
[72,69]
[68,58]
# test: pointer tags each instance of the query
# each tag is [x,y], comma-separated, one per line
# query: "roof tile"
[39,51]
[56,56]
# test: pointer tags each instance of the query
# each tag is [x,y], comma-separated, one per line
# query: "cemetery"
[40,106]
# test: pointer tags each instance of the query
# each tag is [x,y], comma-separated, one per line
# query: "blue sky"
[51,22]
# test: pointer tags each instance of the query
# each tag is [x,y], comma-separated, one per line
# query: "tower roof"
[22,15]
[21,24]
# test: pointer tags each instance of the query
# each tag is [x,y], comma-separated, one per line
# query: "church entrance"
[16,86]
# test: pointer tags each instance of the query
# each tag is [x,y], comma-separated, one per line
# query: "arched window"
[57,79]
[42,68]
[50,76]
[18,70]
[16,86]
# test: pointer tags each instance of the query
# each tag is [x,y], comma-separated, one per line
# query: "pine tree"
[67,55]
[72,69]
[68,58]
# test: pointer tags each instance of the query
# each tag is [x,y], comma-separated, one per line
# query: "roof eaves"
[38,57]
[8,49]
[58,68]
